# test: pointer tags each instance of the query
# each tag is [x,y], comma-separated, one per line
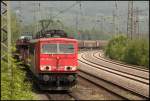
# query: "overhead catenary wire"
[66,9]
[60,12]
[70,6]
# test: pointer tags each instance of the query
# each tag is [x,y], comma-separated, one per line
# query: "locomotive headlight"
[42,68]
[70,68]
[74,67]
[45,68]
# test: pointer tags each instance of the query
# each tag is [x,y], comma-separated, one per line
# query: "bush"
[137,52]
[14,82]
[130,51]
[116,45]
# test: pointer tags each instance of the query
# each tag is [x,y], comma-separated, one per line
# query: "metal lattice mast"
[136,22]
[39,15]
[102,19]
[20,18]
[80,17]
[137,18]
[117,19]
[5,28]
[34,19]
[114,22]
[130,19]
[80,14]
[76,19]
[6,38]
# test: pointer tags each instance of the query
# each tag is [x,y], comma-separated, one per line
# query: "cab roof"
[52,39]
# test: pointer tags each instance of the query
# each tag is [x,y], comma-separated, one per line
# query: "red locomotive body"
[54,62]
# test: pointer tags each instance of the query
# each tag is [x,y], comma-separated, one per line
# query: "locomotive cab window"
[66,48]
[57,48]
[49,48]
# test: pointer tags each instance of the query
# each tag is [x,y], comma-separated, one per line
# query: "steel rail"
[93,63]
[112,83]
[115,83]
[121,64]
[111,87]
[119,70]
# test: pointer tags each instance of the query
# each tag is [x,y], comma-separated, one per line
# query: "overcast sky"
[90,11]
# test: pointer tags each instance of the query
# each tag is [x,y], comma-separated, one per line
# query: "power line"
[66,9]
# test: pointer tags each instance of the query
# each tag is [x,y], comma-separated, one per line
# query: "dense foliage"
[134,51]
[13,80]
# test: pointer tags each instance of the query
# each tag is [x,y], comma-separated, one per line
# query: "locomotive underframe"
[57,81]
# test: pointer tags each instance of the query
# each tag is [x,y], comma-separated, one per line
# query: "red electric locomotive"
[53,61]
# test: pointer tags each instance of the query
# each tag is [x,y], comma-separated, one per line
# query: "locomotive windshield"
[57,48]
[49,48]
[66,48]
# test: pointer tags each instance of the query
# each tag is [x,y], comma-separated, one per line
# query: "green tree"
[116,47]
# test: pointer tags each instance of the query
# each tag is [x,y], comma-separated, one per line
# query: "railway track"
[140,91]
[62,95]
[99,55]
[110,87]
[117,70]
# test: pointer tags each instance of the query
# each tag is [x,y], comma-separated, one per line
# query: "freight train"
[52,58]
[91,44]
